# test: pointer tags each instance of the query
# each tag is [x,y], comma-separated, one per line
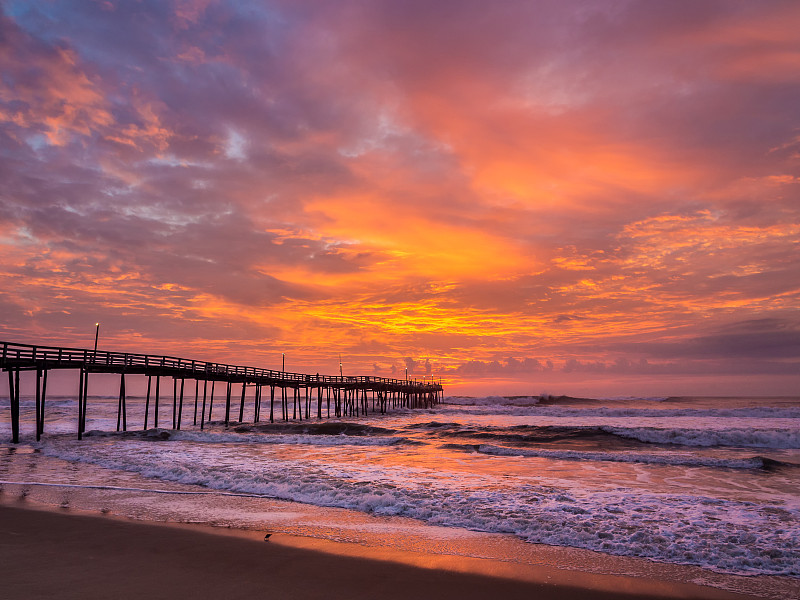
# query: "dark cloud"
[757,339]
[507,367]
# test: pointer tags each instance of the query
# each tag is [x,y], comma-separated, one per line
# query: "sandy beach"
[45,554]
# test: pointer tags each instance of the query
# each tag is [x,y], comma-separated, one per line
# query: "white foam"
[732,437]
[729,536]
[684,459]
[285,438]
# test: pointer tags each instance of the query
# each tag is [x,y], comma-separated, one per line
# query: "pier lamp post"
[283,362]
[406,373]
[341,374]
[96,335]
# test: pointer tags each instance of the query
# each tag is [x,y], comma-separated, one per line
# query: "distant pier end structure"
[299,395]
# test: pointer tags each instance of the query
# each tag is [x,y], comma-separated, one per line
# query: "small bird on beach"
[266,537]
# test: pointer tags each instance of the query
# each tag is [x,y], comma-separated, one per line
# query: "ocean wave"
[733,437]
[689,460]
[729,536]
[527,435]
[254,438]
[763,412]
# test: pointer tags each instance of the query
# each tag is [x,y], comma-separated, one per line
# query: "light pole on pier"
[283,362]
[96,335]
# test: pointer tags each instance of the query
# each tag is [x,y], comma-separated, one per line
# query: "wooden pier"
[299,393]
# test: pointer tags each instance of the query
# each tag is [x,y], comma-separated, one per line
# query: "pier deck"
[349,395]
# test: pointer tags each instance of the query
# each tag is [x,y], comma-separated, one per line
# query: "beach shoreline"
[49,552]
[412,490]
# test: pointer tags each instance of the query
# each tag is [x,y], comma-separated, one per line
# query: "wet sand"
[46,554]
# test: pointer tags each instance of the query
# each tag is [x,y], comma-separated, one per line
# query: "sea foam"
[724,535]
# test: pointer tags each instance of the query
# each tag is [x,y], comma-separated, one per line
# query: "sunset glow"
[574,197]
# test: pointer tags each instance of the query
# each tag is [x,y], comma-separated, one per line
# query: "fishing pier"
[298,393]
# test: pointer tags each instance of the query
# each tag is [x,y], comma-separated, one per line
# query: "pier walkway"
[349,396]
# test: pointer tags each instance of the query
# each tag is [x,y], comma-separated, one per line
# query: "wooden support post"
[180,407]
[11,397]
[196,394]
[228,406]
[174,401]
[121,396]
[241,406]
[124,406]
[328,389]
[13,392]
[85,400]
[257,403]
[155,406]
[80,402]
[203,411]
[271,403]
[44,401]
[211,401]
[284,408]
[319,401]
[38,402]
[147,402]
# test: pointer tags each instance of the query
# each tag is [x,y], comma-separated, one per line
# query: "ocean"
[687,488]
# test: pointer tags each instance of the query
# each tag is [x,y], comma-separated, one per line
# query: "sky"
[571,197]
